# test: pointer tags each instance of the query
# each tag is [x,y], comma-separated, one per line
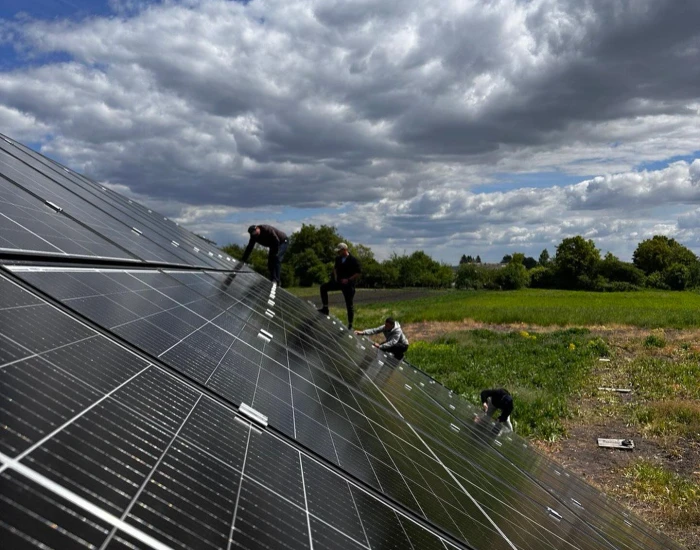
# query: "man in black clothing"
[498,399]
[275,240]
[346,271]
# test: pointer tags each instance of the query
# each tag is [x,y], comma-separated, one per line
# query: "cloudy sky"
[452,126]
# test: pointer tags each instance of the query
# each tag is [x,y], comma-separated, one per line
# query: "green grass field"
[647,309]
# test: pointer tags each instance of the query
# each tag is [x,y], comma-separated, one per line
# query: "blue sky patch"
[661,164]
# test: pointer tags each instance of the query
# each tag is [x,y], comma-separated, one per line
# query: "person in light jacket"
[396,341]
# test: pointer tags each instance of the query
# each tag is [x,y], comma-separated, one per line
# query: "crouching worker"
[498,399]
[396,341]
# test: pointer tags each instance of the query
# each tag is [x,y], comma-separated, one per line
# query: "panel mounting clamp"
[54,206]
[556,515]
[252,414]
[137,231]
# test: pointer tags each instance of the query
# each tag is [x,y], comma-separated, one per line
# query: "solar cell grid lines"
[139,233]
[123,371]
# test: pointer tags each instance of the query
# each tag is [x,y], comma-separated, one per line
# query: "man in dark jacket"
[498,399]
[346,271]
[275,240]
[396,341]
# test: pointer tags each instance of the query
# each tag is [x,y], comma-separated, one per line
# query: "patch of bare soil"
[579,452]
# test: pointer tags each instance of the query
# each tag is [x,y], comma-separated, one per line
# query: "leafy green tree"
[530,263]
[464,259]
[372,272]
[419,269]
[309,269]
[517,258]
[615,270]
[469,276]
[542,277]
[476,277]
[513,276]
[389,275]
[478,259]
[311,252]
[506,259]
[660,252]
[575,262]
[321,240]
[544,258]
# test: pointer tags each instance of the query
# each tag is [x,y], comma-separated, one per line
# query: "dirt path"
[603,468]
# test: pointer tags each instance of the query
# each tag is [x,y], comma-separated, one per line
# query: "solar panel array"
[151,396]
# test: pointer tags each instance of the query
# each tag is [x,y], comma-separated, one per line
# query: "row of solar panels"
[163,407]
[50,210]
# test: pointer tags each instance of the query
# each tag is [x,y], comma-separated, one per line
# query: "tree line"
[659,262]
[311,253]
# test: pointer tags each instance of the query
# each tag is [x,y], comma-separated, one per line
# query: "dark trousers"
[348,291]
[397,351]
[274,261]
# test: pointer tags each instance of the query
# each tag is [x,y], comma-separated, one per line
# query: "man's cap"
[251,229]
[341,246]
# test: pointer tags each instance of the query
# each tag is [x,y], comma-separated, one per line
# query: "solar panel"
[29,225]
[114,445]
[168,405]
[166,232]
[137,238]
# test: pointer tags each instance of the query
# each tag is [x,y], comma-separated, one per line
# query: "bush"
[656,280]
[616,286]
[476,277]
[541,277]
[616,271]
[513,277]
[677,276]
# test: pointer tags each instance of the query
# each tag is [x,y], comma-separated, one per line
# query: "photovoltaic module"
[155,394]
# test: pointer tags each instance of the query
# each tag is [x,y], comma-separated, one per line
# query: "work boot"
[323,310]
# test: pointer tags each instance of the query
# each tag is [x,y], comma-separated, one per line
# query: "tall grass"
[647,309]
